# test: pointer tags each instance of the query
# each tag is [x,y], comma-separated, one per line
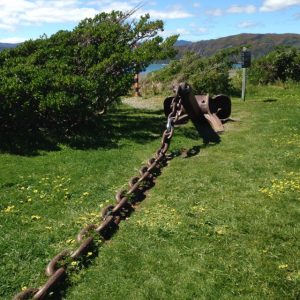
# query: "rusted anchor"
[203,110]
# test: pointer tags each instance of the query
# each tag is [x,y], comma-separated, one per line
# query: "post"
[244,84]
[137,85]
[246,63]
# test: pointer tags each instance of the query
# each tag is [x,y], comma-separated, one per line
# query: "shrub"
[206,75]
[69,77]
[282,64]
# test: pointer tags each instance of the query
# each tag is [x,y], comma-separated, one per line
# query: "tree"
[73,75]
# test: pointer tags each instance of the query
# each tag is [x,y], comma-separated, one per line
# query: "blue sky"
[193,19]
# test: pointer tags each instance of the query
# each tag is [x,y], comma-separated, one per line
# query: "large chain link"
[111,215]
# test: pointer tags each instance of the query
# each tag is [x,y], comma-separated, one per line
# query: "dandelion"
[24,288]
[9,209]
[283,266]
[89,254]
[74,263]
[35,191]
[35,218]
[70,241]
[85,194]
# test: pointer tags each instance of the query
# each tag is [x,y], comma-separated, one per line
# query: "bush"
[282,64]
[206,75]
[73,75]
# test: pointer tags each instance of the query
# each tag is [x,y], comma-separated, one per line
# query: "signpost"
[246,63]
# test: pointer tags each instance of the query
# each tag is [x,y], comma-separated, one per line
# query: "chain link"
[111,215]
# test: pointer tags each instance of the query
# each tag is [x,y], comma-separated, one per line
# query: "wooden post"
[137,85]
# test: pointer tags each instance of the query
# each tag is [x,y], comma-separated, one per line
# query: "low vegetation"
[217,74]
[222,220]
[220,223]
[206,75]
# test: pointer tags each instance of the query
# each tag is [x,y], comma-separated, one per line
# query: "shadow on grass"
[102,132]
[139,126]
[270,100]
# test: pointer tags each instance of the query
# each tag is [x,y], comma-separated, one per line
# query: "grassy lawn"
[221,224]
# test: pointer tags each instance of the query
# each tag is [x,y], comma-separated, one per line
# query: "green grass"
[221,224]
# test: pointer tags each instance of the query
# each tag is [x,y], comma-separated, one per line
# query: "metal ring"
[106,211]
[104,224]
[85,245]
[120,195]
[51,267]
[120,205]
[83,231]
[48,287]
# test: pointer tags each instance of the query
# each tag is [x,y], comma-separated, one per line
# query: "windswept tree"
[73,75]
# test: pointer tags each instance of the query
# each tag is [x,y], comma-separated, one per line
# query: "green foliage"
[69,77]
[206,75]
[282,64]
[219,224]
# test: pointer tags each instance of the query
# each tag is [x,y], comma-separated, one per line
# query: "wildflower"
[70,241]
[9,209]
[89,254]
[35,191]
[74,263]
[283,266]
[85,194]
[24,288]
[35,217]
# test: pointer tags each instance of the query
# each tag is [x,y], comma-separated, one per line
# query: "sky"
[194,20]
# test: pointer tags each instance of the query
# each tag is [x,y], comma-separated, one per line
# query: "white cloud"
[29,12]
[196,4]
[272,5]
[233,9]
[13,40]
[216,12]
[238,9]
[173,14]
[193,32]
[247,24]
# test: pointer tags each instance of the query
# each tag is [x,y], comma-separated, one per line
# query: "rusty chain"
[111,216]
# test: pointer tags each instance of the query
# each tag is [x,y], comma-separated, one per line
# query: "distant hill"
[260,44]
[7,45]
[182,43]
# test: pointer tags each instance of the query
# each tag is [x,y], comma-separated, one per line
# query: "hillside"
[7,45]
[260,44]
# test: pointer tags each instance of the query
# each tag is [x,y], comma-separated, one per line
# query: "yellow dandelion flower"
[74,263]
[283,266]
[89,254]
[9,209]
[35,217]
[70,241]
[85,194]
